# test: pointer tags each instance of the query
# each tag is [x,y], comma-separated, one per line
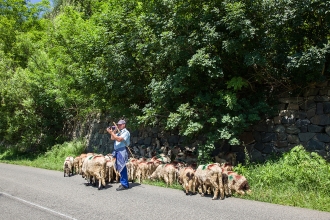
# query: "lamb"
[166,172]
[210,176]
[68,166]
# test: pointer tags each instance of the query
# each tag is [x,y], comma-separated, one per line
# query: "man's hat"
[121,122]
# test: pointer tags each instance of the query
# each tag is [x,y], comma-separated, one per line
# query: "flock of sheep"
[217,178]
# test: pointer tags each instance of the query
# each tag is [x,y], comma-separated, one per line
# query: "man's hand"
[110,131]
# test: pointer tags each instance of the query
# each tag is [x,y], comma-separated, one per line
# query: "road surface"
[33,193]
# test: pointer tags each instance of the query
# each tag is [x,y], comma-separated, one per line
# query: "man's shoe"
[121,187]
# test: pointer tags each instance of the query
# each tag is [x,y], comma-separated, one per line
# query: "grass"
[298,178]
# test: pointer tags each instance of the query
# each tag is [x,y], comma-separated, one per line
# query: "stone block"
[314,145]
[267,137]
[281,144]
[269,148]
[315,128]
[256,156]
[292,130]
[302,122]
[301,115]
[304,137]
[279,129]
[321,119]
[259,146]
[319,108]
[311,113]
[308,104]
[327,130]
[322,137]
[293,139]
[326,107]
[303,129]
[281,136]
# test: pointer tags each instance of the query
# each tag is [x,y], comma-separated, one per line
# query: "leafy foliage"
[210,68]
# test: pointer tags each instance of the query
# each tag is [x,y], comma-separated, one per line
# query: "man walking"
[122,140]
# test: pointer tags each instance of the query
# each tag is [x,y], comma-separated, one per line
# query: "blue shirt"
[126,142]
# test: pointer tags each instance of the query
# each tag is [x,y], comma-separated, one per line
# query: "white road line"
[39,206]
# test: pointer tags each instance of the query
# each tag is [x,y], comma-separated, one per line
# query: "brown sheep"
[187,178]
[110,169]
[76,165]
[210,176]
[142,170]
[236,183]
[132,166]
[68,166]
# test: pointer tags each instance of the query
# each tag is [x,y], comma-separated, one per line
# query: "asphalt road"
[32,193]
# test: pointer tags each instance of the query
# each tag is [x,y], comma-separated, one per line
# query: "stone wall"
[93,131]
[302,120]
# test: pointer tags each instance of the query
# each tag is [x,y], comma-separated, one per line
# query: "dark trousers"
[124,177]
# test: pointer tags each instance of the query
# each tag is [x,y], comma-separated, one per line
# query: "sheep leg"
[166,179]
[214,183]
[193,187]
[171,178]
[221,186]
[186,186]
[144,174]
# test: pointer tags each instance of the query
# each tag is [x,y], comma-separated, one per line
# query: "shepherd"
[121,135]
